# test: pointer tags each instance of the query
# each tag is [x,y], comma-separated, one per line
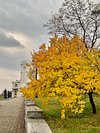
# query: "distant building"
[16,85]
[16,88]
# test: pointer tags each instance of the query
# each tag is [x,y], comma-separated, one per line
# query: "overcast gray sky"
[21,30]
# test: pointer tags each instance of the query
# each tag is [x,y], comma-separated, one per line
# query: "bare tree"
[80,17]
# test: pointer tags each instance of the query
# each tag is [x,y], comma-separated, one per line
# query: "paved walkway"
[12,116]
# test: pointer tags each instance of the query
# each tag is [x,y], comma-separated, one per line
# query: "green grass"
[82,123]
[1,97]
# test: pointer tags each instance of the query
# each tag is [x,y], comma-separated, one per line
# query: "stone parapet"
[34,122]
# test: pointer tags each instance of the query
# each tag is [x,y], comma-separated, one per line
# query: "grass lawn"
[82,123]
[1,97]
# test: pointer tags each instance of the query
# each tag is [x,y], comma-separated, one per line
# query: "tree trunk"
[92,102]
[36,74]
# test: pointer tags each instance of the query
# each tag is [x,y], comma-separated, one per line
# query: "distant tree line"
[7,94]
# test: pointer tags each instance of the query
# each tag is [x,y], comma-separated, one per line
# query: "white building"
[16,88]
[24,72]
[16,85]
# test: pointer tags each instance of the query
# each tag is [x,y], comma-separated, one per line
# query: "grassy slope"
[83,123]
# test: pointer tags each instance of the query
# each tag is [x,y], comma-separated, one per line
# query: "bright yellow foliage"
[66,69]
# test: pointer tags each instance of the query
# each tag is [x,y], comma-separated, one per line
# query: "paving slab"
[12,116]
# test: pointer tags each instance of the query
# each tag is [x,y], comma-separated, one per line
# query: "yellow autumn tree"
[66,70]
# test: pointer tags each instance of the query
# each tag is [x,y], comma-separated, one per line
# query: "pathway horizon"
[12,115]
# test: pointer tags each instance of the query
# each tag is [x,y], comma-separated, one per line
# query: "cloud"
[10,58]
[27,17]
[6,76]
[9,41]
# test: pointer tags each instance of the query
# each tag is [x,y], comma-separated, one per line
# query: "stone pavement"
[12,116]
